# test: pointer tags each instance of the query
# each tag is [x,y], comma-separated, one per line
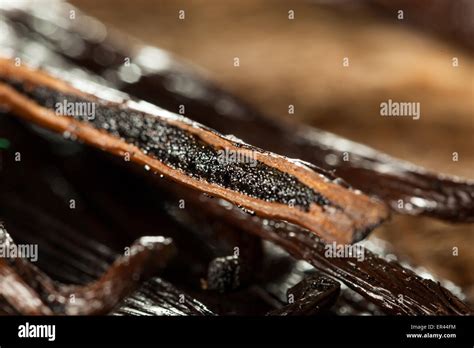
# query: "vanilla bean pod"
[397,290]
[407,188]
[191,154]
[32,292]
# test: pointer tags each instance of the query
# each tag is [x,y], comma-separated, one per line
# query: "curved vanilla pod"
[165,81]
[268,184]
[396,289]
[31,292]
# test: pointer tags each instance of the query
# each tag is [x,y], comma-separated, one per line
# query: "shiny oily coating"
[181,150]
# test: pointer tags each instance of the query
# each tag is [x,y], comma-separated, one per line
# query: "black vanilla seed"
[184,151]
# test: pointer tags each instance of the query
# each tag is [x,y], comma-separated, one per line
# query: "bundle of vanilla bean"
[115,191]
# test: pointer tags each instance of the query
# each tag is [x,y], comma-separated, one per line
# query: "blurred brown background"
[299,62]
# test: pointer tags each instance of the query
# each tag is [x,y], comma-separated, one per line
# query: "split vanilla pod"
[392,180]
[273,186]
